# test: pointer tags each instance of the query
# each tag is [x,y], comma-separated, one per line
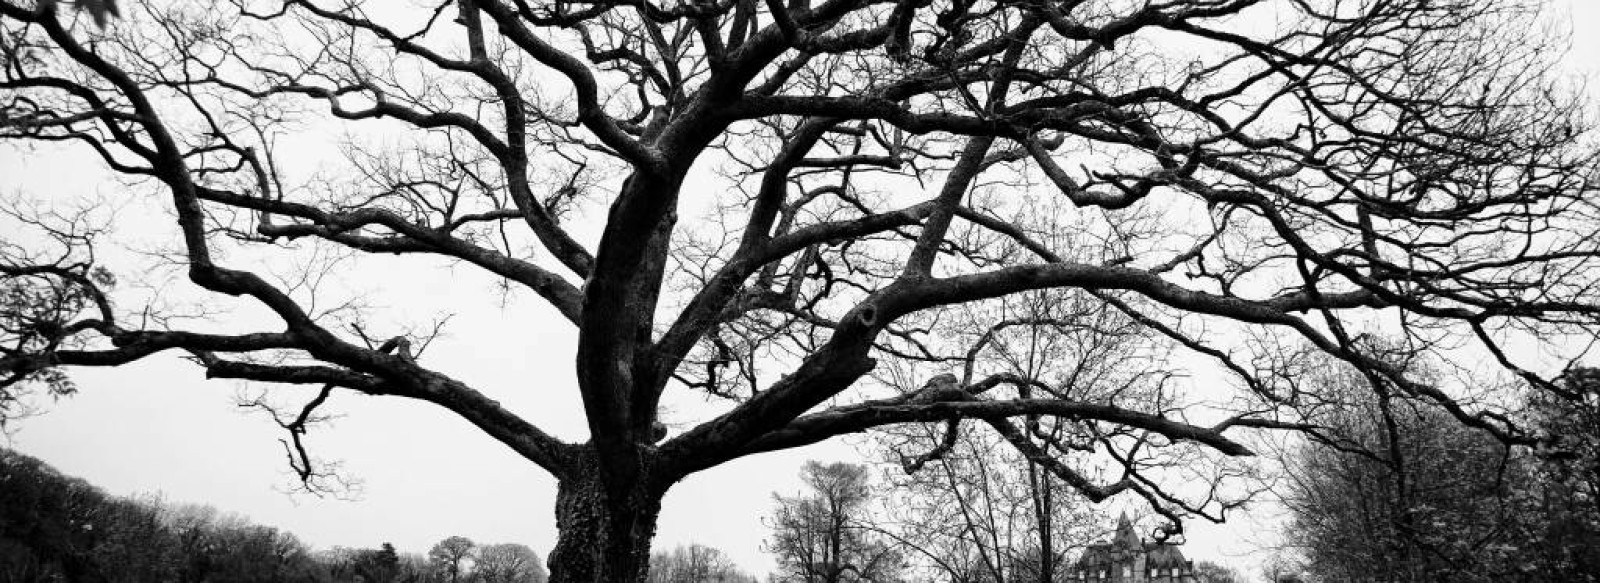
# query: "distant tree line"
[695,563]
[843,528]
[455,559]
[55,527]
[960,521]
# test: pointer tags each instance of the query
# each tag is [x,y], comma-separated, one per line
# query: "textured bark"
[603,538]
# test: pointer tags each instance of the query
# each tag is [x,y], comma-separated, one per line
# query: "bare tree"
[977,515]
[972,506]
[695,563]
[508,563]
[1209,572]
[416,568]
[1396,491]
[1243,179]
[826,535]
[452,556]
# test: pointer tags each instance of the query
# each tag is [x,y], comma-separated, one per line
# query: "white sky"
[158,426]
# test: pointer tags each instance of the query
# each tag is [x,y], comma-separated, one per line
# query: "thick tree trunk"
[602,538]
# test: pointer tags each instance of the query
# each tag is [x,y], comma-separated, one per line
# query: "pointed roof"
[1124,548]
[1126,538]
[1163,556]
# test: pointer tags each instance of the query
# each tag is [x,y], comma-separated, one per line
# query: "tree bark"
[603,537]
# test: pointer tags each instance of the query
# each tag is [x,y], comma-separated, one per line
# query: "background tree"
[971,505]
[508,563]
[377,565]
[975,515]
[1566,485]
[139,545]
[452,556]
[53,527]
[1210,572]
[826,535]
[46,522]
[1428,503]
[693,563]
[1399,492]
[1285,566]
[859,171]
[416,568]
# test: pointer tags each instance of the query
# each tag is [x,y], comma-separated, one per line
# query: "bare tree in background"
[1571,474]
[508,563]
[977,515]
[1245,180]
[827,534]
[453,555]
[972,505]
[695,563]
[1394,490]
[1209,572]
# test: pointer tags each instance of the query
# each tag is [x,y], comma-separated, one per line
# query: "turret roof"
[1126,538]
[1125,545]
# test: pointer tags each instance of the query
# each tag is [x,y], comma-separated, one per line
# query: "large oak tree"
[1242,180]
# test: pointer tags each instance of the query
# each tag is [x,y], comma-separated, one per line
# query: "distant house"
[1128,559]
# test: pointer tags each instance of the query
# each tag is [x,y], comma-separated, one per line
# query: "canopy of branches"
[831,216]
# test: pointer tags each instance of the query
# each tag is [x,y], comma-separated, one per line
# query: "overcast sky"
[157,426]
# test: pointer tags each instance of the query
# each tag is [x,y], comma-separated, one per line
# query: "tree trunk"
[602,538]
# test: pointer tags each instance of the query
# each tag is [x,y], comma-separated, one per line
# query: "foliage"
[53,527]
[1402,493]
[380,565]
[47,521]
[33,309]
[1564,489]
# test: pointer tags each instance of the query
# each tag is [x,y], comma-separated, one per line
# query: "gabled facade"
[1128,559]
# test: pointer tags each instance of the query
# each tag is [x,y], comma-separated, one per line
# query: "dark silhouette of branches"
[776,202]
